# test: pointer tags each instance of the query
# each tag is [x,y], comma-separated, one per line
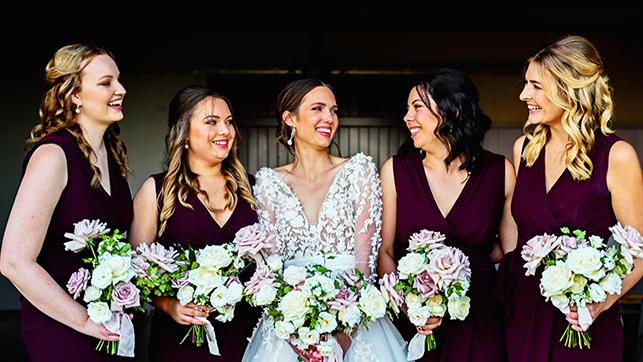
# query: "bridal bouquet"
[308,304]
[209,276]
[432,279]
[579,270]
[106,286]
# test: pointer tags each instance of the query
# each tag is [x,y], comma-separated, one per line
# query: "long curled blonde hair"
[179,179]
[584,94]
[64,75]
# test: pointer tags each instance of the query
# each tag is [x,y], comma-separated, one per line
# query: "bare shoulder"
[623,154]
[147,189]
[48,161]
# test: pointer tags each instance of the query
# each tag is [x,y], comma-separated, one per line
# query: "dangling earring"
[292,135]
[186,145]
[77,109]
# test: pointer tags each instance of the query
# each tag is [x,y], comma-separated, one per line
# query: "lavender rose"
[78,282]
[425,239]
[125,295]
[251,239]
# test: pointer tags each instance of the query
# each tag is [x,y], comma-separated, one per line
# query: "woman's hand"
[98,331]
[182,314]
[431,324]
[344,341]
[594,310]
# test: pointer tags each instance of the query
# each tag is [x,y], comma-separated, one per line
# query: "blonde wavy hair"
[64,75]
[584,94]
[179,179]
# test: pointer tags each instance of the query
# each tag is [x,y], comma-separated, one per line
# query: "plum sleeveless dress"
[46,339]
[198,229]
[534,326]
[472,226]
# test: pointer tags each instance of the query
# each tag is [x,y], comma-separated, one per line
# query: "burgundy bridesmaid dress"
[534,326]
[198,229]
[472,226]
[46,339]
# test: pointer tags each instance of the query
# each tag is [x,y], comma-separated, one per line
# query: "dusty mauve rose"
[351,278]
[343,299]
[83,231]
[139,265]
[425,239]
[254,238]
[261,277]
[387,287]
[425,285]
[447,265]
[78,282]
[536,248]
[630,240]
[126,295]
[159,255]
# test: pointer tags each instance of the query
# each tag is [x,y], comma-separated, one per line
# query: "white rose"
[350,315]
[121,267]
[234,292]
[411,264]
[308,336]
[596,275]
[611,284]
[216,256]
[265,295]
[326,323]
[283,329]
[101,276]
[205,279]
[561,302]
[91,294]
[326,348]
[274,262]
[556,279]
[419,316]
[413,301]
[596,293]
[99,312]
[294,274]
[372,302]
[185,294]
[458,307]
[584,260]
[294,305]
[225,313]
[579,284]
[217,298]
[436,305]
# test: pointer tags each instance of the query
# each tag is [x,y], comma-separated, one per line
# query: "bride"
[321,206]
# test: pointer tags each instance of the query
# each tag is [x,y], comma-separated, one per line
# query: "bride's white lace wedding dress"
[348,230]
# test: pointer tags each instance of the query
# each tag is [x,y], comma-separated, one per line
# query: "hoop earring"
[292,135]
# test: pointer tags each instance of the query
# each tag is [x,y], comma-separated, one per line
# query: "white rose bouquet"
[308,304]
[107,286]
[579,270]
[209,276]
[432,279]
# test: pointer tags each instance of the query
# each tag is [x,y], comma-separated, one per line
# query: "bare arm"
[386,260]
[625,183]
[144,224]
[41,187]
[508,230]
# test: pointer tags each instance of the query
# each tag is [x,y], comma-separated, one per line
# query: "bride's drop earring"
[292,135]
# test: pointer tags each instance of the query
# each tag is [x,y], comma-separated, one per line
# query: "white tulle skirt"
[380,341]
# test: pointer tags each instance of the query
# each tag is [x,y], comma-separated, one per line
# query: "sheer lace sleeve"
[368,216]
[262,192]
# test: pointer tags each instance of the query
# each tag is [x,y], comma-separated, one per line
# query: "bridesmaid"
[572,171]
[202,198]
[75,169]
[443,180]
